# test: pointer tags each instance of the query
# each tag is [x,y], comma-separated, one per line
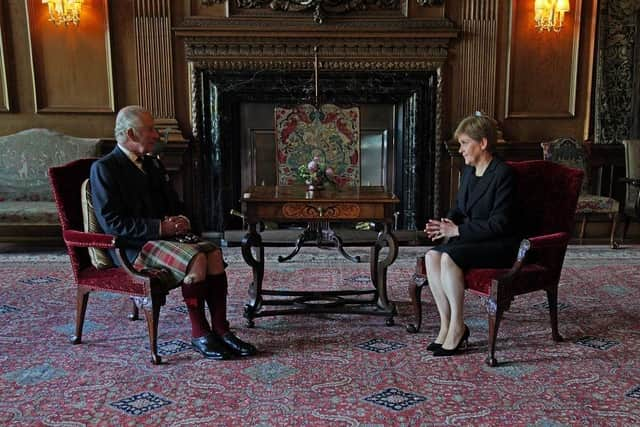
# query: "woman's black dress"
[486,218]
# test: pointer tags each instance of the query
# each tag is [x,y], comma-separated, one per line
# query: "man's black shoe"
[237,346]
[211,347]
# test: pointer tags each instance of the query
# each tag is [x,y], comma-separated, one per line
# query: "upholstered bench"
[27,211]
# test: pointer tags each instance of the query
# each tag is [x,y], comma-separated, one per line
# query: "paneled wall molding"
[58,52]
[475,81]
[152,25]
[5,102]
[550,54]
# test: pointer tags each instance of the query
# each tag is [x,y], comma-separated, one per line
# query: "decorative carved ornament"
[322,8]
[234,54]
[305,211]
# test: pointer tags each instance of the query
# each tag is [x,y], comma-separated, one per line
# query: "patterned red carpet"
[323,369]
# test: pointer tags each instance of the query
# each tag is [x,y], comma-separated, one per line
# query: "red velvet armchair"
[547,197]
[148,288]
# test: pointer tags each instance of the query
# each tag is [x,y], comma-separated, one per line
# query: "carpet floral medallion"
[338,370]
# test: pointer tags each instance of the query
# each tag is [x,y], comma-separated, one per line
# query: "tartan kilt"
[170,255]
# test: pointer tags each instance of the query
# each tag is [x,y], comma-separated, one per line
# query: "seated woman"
[480,229]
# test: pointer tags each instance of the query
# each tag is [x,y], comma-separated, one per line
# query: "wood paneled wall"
[474,81]
[73,79]
[71,66]
[70,79]
[4,87]
[536,84]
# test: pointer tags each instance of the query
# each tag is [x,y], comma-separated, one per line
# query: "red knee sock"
[194,297]
[216,297]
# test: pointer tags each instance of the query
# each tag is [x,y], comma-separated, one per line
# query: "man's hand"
[172,226]
[438,229]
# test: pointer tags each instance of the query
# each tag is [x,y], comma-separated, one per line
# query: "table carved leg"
[322,233]
[379,270]
[253,240]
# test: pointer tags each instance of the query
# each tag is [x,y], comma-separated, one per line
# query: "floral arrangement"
[316,173]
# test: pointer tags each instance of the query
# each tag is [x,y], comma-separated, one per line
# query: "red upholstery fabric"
[152,284]
[66,181]
[478,280]
[110,279]
[547,195]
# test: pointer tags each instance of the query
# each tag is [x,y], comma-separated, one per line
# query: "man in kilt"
[133,200]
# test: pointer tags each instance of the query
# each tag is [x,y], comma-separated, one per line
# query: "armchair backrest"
[547,196]
[329,132]
[571,153]
[632,164]
[66,181]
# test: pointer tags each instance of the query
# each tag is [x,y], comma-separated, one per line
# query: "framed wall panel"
[542,67]
[4,88]
[71,65]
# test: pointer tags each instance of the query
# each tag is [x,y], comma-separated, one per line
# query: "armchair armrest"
[156,280]
[631,181]
[85,240]
[544,242]
[635,182]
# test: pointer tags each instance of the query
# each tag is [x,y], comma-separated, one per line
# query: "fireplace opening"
[237,142]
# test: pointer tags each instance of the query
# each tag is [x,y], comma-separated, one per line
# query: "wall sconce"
[550,14]
[64,11]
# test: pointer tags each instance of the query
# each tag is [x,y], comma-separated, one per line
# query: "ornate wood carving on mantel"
[347,5]
[234,53]
[322,9]
[247,22]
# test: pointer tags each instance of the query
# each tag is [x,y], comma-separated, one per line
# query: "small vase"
[314,185]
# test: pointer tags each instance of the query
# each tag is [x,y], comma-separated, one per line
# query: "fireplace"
[232,117]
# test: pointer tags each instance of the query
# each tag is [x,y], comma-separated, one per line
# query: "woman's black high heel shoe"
[434,346]
[461,345]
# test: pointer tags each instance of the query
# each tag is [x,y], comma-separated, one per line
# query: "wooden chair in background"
[632,179]
[569,152]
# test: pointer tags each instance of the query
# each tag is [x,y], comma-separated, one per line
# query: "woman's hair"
[479,126]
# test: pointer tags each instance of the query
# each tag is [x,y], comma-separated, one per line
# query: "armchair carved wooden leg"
[552,298]
[625,228]
[418,281]
[498,301]
[583,227]
[495,316]
[614,225]
[151,307]
[81,308]
[134,314]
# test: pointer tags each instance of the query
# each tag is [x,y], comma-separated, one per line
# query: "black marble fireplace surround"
[217,115]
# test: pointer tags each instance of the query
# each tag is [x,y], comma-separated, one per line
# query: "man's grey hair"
[128,118]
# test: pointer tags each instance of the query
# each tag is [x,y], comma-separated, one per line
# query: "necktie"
[140,163]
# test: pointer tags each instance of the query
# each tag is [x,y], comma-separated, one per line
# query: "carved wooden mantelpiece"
[356,55]
[231,66]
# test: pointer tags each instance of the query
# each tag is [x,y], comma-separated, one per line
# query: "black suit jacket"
[130,203]
[487,211]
